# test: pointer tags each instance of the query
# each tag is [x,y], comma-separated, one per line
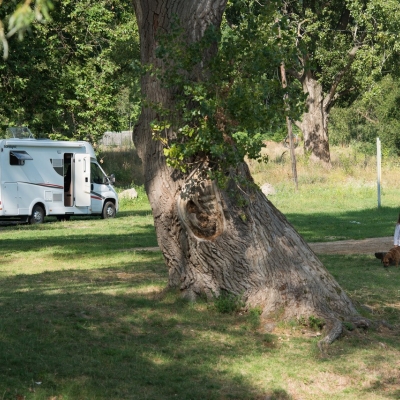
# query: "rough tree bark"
[314,123]
[210,242]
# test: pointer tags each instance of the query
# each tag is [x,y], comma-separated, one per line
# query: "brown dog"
[392,257]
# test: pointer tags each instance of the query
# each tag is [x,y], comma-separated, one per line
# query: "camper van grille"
[57,197]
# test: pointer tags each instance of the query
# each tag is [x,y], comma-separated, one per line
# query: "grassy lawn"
[320,215]
[83,316]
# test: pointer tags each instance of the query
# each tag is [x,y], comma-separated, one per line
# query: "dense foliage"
[223,110]
[345,45]
[72,77]
[375,114]
[223,115]
[16,18]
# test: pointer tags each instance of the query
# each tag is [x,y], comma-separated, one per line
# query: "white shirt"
[397,235]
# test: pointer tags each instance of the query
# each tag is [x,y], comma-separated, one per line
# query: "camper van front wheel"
[37,216]
[108,210]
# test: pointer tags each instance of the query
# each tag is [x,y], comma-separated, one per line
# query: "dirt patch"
[365,246]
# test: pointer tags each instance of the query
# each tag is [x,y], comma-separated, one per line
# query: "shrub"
[228,303]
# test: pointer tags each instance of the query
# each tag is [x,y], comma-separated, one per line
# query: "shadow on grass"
[357,224]
[96,242]
[102,335]
[373,289]
[134,213]
[52,219]
[120,214]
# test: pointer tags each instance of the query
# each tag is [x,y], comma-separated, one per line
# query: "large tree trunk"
[314,123]
[217,240]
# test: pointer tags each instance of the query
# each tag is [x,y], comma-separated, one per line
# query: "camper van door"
[82,180]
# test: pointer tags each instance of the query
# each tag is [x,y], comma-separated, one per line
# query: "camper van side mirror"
[112,178]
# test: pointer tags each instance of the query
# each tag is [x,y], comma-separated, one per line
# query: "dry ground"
[365,246]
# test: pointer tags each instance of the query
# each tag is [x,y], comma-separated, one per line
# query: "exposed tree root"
[335,329]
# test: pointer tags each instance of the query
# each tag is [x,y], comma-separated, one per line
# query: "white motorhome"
[43,177]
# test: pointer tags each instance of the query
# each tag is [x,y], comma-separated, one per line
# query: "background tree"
[227,238]
[73,77]
[375,114]
[342,47]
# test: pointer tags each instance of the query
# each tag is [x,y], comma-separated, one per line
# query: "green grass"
[319,214]
[335,203]
[369,283]
[83,314]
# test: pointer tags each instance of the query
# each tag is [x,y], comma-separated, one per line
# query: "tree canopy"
[346,44]
[73,77]
[333,53]
[224,108]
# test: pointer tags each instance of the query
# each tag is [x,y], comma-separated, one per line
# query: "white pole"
[378,165]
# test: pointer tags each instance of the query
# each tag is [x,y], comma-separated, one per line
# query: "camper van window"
[19,157]
[58,165]
[97,175]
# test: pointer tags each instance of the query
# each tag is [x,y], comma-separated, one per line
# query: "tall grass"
[340,202]
[124,163]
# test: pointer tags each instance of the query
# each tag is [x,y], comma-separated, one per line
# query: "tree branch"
[367,118]
[295,74]
[338,78]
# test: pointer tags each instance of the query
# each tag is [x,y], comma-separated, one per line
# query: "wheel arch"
[112,201]
[38,202]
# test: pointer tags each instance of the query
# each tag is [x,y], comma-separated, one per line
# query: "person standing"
[396,238]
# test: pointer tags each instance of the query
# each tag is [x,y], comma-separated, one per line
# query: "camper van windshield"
[97,175]
[19,132]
